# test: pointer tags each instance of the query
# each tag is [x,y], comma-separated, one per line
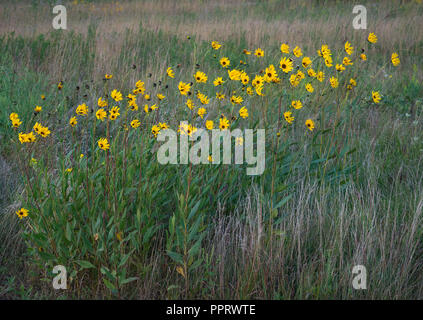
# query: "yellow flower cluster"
[236,87]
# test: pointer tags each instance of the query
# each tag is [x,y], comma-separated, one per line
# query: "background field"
[376,220]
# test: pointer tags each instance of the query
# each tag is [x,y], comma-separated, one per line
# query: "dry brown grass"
[253,23]
[398,26]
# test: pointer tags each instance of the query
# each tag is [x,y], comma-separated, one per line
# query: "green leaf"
[128,280]
[68,233]
[194,210]
[282,202]
[85,264]
[124,259]
[175,256]
[109,285]
[194,249]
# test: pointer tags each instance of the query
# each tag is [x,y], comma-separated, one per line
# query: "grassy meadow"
[342,184]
